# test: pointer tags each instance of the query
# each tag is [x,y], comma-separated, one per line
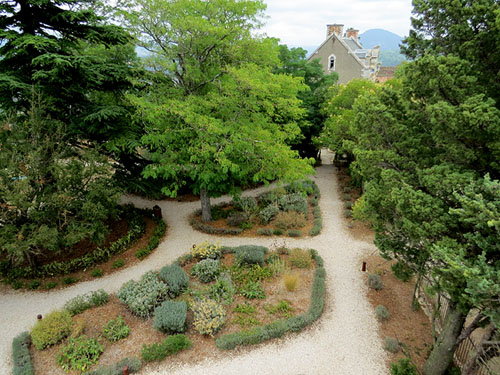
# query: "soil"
[411,328]
[142,331]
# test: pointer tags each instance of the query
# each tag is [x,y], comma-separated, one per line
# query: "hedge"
[318,222]
[278,328]
[154,241]
[21,355]
[134,365]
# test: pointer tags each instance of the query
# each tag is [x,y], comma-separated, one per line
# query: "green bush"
[51,285]
[348,205]
[290,220]
[171,345]
[252,289]
[52,329]
[170,317]
[177,280]
[294,233]
[346,197]
[402,271]
[119,263]
[206,270]
[68,280]
[223,289]
[83,302]
[236,219]
[21,355]
[250,254]
[16,284]
[34,284]
[300,258]
[209,316]
[79,353]
[97,272]
[268,213]
[348,213]
[206,228]
[278,232]
[115,330]
[382,313]
[246,204]
[133,364]
[375,282]
[144,295]
[314,201]
[294,202]
[403,367]
[154,241]
[392,344]
[265,231]
[283,308]
[317,226]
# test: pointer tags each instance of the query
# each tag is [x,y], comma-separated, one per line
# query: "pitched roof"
[350,44]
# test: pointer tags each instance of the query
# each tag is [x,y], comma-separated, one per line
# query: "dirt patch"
[142,332]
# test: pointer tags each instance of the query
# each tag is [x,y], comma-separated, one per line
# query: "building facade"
[343,53]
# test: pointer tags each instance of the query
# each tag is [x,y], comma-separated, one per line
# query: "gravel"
[344,341]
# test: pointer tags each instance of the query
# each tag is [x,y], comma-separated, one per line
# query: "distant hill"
[385,39]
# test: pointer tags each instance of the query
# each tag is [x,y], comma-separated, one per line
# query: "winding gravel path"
[343,342]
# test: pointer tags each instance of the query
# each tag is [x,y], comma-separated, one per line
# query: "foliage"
[206,270]
[403,367]
[79,327]
[119,263]
[290,280]
[271,197]
[283,308]
[170,346]
[134,365]
[392,344]
[265,231]
[223,289]
[79,353]
[382,313]
[294,233]
[69,280]
[154,241]
[300,258]
[80,303]
[268,213]
[375,282]
[21,355]
[34,284]
[207,228]
[144,295]
[252,289]
[245,308]
[176,279]
[97,272]
[402,271]
[288,220]
[250,254]
[278,232]
[294,202]
[116,329]
[209,316]
[51,285]
[51,329]
[317,223]
[170,317]
[246,204]
[206,250]
[236,219]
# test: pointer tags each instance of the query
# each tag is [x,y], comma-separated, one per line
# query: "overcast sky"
[303,22]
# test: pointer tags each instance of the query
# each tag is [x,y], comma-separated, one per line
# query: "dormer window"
[331,62]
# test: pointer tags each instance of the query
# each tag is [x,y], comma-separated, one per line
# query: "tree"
[216,117]
[427,150]
[51,195]
[294,62]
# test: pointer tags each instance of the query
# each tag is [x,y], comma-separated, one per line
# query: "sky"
[300,23]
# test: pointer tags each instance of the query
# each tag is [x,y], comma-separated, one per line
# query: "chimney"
[352,33]
[336,28]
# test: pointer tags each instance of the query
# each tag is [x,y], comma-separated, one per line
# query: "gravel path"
[343,342]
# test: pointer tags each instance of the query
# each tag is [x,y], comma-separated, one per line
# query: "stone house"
[343,53]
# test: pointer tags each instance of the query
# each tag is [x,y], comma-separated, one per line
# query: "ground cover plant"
[248,302]
[291,210]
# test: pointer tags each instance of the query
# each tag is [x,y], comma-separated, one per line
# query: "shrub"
[16,284]
[347,213]
[300,258]
[236,219]
[79,353]
[314,201]
[115,330]
[265,231]
[78,328]
[268,213]
[294,233]
[170,317]
[283,308]
[250,254]
[154,241]
[290,280]
[246,204]
[348,205]
[375,282]
[252,289]
[51,285]
[382,313]
[206,250]
[52,329]
[293,202]
[133,364]
[83,302]
[144,295]
[316,229]
[403,367]
[346,197]
[209,316]
[206,270]
[171,345]
[289,220]
[21,355]
[177,280]
[402,271]
[119,263]
[245,308]
[34,284]
[278,232]
[97,272]
[391,344]
[223,289]
[68,280]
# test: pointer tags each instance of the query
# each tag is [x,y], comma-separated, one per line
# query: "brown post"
[364,267]
[125,370]
[157,211]
[39,317]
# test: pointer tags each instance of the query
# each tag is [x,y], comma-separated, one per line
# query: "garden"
[292,210]
[214,298]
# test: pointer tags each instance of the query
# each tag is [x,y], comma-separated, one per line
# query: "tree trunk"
[206,214]
[442,353]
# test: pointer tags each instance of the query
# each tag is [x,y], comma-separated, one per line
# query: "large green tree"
[216,117]
[428,151]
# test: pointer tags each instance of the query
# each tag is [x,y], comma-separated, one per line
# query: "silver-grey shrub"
[382,313]
[170,317]
[293,202]
[246,204]
[177,280]
[268,213]
[144,295]
[206,270]
[85,301]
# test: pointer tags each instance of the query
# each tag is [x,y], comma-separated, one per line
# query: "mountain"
[385,39]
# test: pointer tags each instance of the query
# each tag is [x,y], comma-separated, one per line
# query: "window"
[331,62]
